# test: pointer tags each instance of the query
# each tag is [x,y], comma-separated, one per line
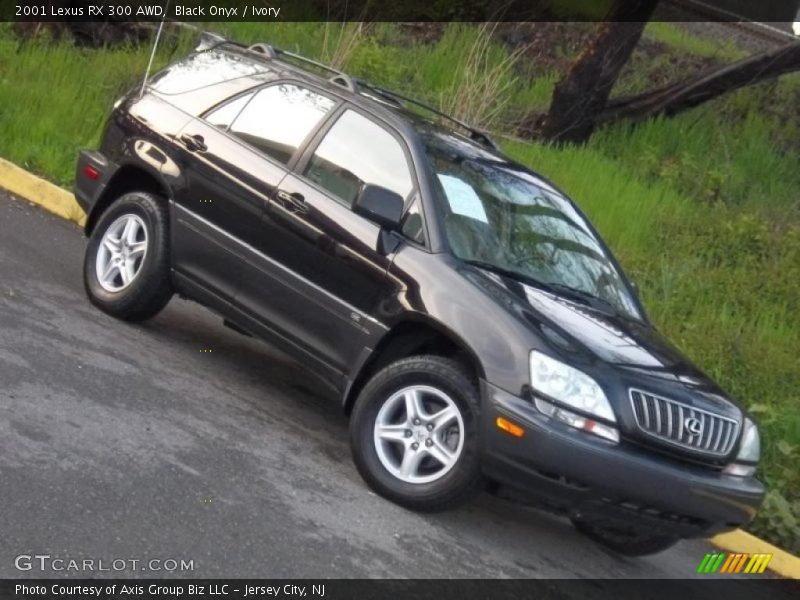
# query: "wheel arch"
[413,336]
[127,178]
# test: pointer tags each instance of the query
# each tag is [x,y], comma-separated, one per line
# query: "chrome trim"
[722,429]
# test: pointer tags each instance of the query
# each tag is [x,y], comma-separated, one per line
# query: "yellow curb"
[782,563]
[35,189]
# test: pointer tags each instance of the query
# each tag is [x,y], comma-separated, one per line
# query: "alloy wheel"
[419,434]
[121,253]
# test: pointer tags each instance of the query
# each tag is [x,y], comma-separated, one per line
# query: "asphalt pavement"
[181,439]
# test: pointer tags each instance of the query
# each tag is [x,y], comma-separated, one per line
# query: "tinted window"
[357,151]
[223,116]
[412,223]
[278,119]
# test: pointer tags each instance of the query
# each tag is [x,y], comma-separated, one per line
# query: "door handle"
[294,202]
[194,143]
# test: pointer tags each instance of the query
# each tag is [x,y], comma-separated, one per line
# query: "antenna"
[153,51]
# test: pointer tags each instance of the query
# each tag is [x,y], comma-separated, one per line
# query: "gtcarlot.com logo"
[46,562]
[721,562]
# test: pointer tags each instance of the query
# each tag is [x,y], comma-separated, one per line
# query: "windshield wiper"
[542,285]
[590,299]
[558,289]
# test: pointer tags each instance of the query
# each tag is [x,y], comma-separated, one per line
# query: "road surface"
[181,439]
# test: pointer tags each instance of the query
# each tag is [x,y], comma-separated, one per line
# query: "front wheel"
[624,542]
[126,271]
[414,434]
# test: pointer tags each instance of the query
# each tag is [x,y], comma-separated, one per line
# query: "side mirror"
[379,205]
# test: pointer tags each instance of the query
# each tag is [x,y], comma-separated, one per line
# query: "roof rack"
[269,52]
[475,134]
[358,86]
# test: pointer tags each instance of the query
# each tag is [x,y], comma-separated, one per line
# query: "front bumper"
[619,485]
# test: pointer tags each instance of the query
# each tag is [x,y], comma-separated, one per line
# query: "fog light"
[509,427]
[577,421]
[740,470]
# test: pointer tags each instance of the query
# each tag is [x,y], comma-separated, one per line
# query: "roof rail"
[475,134]
[268,51]
[358,86]
[345,81]
[264,49]
[208,40]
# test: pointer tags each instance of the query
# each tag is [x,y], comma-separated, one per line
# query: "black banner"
[777,12]
[437,589]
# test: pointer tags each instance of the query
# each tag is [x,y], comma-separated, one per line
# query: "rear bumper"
[591,478]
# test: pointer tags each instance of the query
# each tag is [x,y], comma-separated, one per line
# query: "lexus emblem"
[693,426]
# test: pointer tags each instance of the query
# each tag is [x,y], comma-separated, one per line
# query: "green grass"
[680,40]
[703,210]
[54,100]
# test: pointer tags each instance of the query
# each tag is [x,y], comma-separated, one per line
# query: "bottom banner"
[438,589]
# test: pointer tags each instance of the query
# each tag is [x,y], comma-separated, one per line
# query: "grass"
[703,210]
[54,100]
[679,39]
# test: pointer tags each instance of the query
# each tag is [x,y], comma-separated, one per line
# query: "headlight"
[569,386]
[572,388]
[749,452]
[750,449]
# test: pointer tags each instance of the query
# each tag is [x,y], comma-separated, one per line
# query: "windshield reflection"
[500,216]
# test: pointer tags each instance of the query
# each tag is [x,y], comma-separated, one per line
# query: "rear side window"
[223,116]
[278,118]
[357,151]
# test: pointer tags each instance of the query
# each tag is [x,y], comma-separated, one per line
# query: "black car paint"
[318,282]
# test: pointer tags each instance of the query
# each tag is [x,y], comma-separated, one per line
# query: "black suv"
[464,310]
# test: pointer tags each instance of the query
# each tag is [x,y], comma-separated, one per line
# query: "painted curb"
[62,203]
[35,189]
[782,563]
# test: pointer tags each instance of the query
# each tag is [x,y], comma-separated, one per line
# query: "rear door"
[236,156]
[321,274]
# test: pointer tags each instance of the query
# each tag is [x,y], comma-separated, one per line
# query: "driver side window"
[357,151]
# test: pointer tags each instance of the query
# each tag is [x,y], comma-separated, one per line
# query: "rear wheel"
[414,434]
[126,267]
[625,542]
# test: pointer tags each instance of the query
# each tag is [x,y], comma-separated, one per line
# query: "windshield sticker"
[462,198]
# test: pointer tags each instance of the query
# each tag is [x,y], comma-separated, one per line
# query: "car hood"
[634,349]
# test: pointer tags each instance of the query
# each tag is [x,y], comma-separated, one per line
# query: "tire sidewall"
[369,403]
[141,205]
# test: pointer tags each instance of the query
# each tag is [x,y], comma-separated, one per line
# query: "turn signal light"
[509,427]
[91,172]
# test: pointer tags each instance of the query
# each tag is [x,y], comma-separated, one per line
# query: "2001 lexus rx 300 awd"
[463,309]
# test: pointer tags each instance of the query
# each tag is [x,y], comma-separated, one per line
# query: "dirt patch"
[423,33]
[545,47]
[654,64]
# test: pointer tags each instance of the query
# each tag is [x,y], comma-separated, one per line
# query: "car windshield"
[505,219]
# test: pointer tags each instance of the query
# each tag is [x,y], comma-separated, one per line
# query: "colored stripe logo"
[722,562]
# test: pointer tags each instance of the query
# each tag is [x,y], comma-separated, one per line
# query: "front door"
[322,275]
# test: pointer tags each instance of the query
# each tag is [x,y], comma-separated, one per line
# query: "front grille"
[682,425]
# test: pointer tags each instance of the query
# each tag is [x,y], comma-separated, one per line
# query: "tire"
[431,485]
[625,543]
[149,286]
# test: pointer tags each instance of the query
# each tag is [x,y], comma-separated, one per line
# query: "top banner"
[780,13]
